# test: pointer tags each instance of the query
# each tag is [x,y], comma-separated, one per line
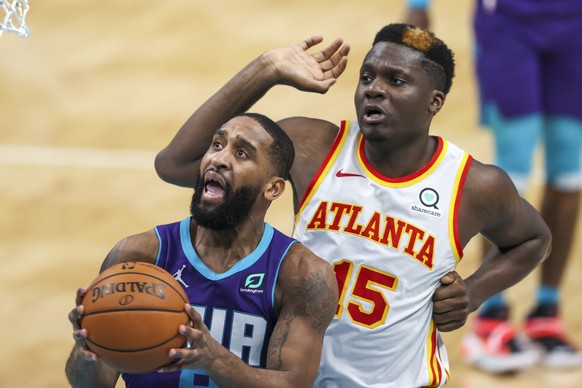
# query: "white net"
[13,17]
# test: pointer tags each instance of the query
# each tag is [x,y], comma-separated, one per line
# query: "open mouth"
[373,114]
[214,185]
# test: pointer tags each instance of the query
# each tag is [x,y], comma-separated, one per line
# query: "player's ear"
[437,102]
[274,188]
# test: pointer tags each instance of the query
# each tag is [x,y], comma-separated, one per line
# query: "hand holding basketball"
[80,334]
[203,349]
[130,317]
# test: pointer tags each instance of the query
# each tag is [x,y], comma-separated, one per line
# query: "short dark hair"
[281,151]
[439,59]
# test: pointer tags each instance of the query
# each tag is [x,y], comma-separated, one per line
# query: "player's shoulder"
[306,277]
[487,178]
[137,247]
[300,252]
[302,261]
[488,196]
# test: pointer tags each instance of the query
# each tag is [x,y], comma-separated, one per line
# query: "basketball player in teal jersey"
[266,332]
[528,55]
[390,206]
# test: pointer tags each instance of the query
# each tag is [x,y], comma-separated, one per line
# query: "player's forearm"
[502,269]
[84,373]
[178,162]
[230,371]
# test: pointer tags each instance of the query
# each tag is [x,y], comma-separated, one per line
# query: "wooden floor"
[98,88]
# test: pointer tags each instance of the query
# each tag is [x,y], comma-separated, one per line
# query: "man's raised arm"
[288,65]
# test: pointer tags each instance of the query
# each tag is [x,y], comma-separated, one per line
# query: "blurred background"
[99,87]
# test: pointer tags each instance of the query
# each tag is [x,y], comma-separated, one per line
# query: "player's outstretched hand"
[450,303]
[309,72]
[202,348]
[79,334]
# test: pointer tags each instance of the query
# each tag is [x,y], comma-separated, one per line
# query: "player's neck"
[221,249]
[402,161]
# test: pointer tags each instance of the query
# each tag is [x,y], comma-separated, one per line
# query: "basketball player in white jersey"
[388,205]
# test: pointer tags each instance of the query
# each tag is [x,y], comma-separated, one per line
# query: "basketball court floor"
[99,87]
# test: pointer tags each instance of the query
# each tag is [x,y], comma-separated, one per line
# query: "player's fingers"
[450,307]
[454,315]
[337,70]
[451,293]
[173,366]
[336,59]
[80,294]
[328,52]
[310,42]
[193,314]
[75,314]
[183,353]
[196,319]
[443,303]
[181,359]
[194,336]
[450,278]
[87,355]
[80,335]
[449,322]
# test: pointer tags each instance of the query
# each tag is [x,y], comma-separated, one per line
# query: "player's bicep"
[308,304]
[525,223]
[508,220]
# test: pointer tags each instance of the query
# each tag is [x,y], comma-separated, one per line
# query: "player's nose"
[375,89]
[221,159]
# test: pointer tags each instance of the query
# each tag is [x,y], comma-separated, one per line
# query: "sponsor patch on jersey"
[429,199]
[253,284]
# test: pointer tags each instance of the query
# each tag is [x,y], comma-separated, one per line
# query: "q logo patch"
[429,197]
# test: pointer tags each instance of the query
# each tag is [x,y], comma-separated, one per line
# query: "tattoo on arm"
[278,339]
[317,297]
[316,300]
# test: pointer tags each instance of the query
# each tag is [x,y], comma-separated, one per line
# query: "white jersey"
[390,241]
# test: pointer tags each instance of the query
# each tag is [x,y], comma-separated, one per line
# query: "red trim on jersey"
[457,237]
[433,365]
[330,153]
[406,178]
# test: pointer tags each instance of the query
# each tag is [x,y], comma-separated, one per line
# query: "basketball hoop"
[14,13]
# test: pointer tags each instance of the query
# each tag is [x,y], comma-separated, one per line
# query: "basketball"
[132,314]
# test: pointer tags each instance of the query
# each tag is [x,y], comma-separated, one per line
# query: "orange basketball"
[132,314]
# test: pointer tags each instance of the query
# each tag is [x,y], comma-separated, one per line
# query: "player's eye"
[366,79]
[397,81]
